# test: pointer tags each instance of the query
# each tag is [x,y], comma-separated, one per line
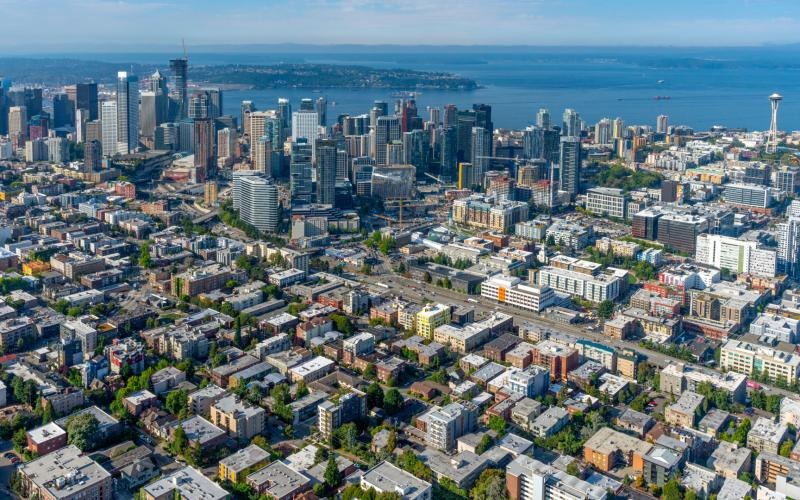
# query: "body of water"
[705,86]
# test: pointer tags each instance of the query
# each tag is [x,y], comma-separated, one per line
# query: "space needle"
[772,139]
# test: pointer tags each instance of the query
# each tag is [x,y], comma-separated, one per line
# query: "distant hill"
[54,72]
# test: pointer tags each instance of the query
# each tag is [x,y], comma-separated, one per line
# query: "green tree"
[332,476]
[497,424]
[370,372]
[177,401]
[484,444]
[82,431]
[606,309]
[393,401]
[786,448]
[672,490]
[145,261]
[179,441]
[491,485]
[20,439]
[374,395]
[48,415]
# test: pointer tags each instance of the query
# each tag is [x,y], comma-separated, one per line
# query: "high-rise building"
[204,136]
[39,127]
[148,115]
[618,128]
[465,121]
[387,130]
[435,116]
[571,123]
[18,121]
[321,107]
[57,150]
[307,104]
[416,150]
[342,165]
[448,154]
[93,154]
[570,165]
[602,132]
[261,154]
[84,96]
[214,102]
[94,132]
[788,233]
[226,143]
[108,120]
[543,118]
[127,112]
[300,182]
[258,201]
[450,115]
[179,95]
[305,124]
[63,114]
[285,113]
[81,119]
[247,108]
[480,153]
[168,137]
[198,105]
[32,100]
[662,124]
[326,171]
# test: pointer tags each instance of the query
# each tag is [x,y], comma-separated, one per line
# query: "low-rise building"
[237,466]
[45,439]
[685,411]
[187,483]
[766,436]
[529,479]
[388,478]
[239,419]
[278,481]
[65,474]
[550,422]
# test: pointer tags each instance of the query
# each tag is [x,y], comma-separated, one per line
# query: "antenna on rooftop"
[183,42]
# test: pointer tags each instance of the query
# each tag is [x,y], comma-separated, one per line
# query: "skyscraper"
[127,112]
[602,132]
[326,171]
[617,128]
[84,96]
[305,124]
[18,121]
[416,150]
[543,118]
[215,103]
[322,111]
[465,120]
[198,105]
[300,182]
[261,155]
[480,153]
[247,109]
[662,123]
[387,130]
[204,136]
[448,154]
[148,115]
[226,143]
[570,165]
[285,113]
[450,119]
[572,123]
[93,155]
[63,115]
[108,121]
[435,116]
[257,201]
[179,95]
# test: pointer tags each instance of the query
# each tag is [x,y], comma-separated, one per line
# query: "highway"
[410,289]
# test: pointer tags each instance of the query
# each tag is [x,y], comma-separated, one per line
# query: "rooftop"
[45,432]
[278,480]
[189,483]
[387,477]
[65,473]
[244,458]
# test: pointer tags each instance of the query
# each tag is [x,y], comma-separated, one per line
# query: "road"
[410,289]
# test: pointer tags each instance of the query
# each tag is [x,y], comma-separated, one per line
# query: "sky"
[132,25]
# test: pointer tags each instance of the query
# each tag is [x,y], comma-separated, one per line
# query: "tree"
[491,485]
[497,424]
[606,309]
[484,444]
[672,490]
[177,401]
[370,372]
[374,395]
[179,440]
[302,390]
[20,439]
[48,414]
[393,401]
[332,477]
[786,448]
[573,469]
[82,431]
[145,260]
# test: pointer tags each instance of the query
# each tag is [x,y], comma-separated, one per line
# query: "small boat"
[660,81]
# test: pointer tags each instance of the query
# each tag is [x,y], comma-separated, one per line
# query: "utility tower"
[772,140]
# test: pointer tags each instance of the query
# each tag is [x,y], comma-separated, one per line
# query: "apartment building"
[512,291]
[747,358]
[529,479]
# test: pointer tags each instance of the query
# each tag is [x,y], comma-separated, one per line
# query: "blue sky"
[135,25]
